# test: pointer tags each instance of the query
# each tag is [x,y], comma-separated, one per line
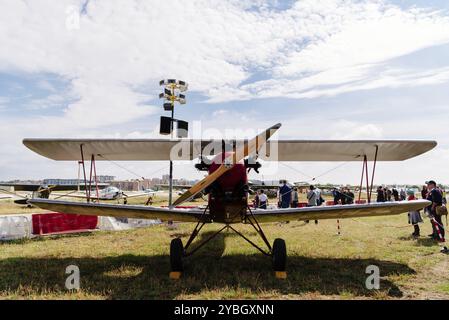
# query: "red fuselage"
[228,195]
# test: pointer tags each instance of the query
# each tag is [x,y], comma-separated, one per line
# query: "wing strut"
[365,173]
[93,170]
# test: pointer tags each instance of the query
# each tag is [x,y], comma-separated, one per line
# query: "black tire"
[176,254]
[279,255]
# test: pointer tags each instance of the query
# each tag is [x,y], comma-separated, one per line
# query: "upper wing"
[119,211]
[277,150]
[354,150]
[339,211]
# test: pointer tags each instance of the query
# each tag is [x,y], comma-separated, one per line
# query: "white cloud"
[223,49]
[215,45]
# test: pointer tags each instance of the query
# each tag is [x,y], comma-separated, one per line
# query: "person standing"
[343,198]
[337,195]
[263,200]
[256,199]
[388,194]
[380,194]
[295,198]
[435,196]
[424,192]
[349,196]
[311,197]
[319,198]
[395,194]
[285,195]
[414,218]
[403,195]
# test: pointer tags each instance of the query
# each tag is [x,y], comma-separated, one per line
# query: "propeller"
[254,144]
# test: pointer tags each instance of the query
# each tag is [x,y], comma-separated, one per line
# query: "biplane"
[226,183]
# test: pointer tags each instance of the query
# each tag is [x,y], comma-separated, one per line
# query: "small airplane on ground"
[227,183]
[33,191]
[111,193]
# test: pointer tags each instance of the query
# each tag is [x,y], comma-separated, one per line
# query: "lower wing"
[120,211]
[339,211]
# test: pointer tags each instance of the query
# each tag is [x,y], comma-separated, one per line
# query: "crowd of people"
[288,197]
[343,196]
[385,194]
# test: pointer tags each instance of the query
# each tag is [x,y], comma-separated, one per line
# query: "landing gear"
[277,252]
[176,254]
[279,255]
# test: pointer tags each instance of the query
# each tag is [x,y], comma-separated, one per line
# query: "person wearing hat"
[435,196]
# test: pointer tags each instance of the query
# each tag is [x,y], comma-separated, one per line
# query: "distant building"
[64,182]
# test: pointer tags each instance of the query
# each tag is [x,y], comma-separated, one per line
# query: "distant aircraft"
[40,191]
[111,193]
[227,183]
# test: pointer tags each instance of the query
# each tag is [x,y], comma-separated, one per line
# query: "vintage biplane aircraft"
[226,182]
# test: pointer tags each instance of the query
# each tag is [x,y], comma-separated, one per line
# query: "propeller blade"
[254,144]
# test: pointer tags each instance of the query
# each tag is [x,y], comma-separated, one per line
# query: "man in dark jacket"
[380,194]
[435,196]
[395,194]
[285,195]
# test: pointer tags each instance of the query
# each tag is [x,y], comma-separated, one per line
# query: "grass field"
[134,264]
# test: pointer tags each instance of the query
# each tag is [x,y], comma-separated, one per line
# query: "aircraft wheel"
[176,253]
[279,255]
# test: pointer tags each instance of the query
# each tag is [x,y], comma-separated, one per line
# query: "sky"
[325,69]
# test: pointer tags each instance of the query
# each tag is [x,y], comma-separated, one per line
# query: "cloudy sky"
[325,69]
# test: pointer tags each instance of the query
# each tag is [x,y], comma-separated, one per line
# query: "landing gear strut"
[277,252]
[176,254]
[279,255]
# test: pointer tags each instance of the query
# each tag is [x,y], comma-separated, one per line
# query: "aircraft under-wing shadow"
[227,184]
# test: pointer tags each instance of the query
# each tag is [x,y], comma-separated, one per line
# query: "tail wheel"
[279,255]
[176,254]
